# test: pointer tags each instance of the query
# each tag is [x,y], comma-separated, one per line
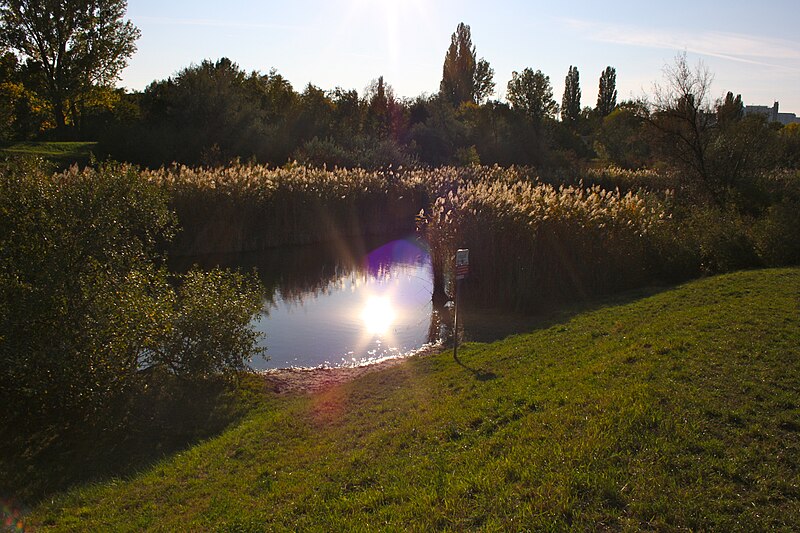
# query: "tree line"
[59,65]
[214,112]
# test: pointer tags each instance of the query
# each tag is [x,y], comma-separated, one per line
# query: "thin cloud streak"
[773,53]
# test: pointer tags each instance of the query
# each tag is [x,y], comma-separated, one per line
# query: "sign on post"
[462,263]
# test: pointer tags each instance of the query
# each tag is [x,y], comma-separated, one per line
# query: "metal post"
[455,323]
[461,271]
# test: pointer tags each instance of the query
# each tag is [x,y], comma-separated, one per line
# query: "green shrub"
[83,299]
[776,235]
[757,227]
[209,332]
[721,239]
[358,152]
[78,290]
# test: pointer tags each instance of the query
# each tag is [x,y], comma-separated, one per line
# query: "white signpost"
[462,271]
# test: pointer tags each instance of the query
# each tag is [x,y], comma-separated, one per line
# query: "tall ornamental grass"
[534,241]
[255,207]
[251,207]
[533,244]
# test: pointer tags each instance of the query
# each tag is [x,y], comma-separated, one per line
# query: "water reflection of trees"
[295,274]
[292,273]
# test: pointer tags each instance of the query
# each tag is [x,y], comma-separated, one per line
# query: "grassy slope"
[61,153]
[677,410]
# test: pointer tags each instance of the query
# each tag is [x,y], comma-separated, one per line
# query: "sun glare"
[378,315]
[397,21]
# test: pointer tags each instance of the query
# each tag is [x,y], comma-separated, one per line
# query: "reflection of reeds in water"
[291,273]
[441,326]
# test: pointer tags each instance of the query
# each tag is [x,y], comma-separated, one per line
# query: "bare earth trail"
[312,380]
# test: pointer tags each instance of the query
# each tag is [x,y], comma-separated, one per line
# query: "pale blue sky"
[752,48]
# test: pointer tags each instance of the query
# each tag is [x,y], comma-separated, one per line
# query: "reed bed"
[533,244]
[612,177]
[249,207]
[253,207]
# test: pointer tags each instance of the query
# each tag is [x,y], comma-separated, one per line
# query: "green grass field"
[677,410]
[62,154]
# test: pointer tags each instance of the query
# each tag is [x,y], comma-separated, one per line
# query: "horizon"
[349,43]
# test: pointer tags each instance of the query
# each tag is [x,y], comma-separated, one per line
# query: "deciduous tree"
[10,93]
[683,117]
[483,87]
[731,109]
[382,109]
[621,138]
[531,93]
[76,44]
[207,113]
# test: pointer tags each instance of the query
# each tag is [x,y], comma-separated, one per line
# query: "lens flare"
[378,315]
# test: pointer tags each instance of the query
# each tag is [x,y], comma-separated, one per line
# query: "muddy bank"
[313,380]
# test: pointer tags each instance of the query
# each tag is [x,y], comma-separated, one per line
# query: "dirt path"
[310,380]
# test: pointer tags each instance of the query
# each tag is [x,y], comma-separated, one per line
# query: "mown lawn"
[62,154]
[680,410]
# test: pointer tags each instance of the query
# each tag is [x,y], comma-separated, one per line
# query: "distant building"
[772,114]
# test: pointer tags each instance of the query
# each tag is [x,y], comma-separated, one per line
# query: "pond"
[341,304]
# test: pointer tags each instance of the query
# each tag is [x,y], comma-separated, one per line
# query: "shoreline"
[302,380]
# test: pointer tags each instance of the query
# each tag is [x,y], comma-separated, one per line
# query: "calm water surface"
[341,305]
[382,308]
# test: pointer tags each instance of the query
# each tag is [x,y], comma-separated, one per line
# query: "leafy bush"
[83,298]
[325,152]
[777,237]
[358,152]
[775,234]
[208,332]
[621,139]
[721,239]
[77,290]
[758,227]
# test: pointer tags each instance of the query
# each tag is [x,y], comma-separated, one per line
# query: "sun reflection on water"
[379,310]
[378,315]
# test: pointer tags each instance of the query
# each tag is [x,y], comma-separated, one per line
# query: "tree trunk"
[61,121]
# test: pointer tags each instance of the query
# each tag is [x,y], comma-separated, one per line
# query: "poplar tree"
[571,102]
[731,109]
[607,95]
[380,101]
[464,77]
